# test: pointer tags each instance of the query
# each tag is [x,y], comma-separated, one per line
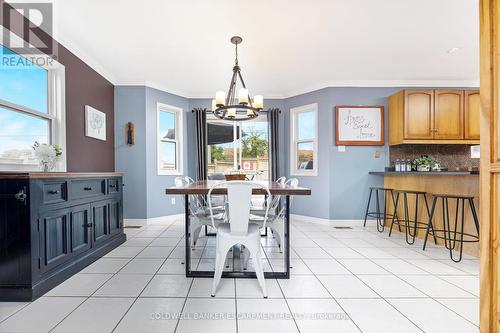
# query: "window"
[304,140]
[238,146]
[31,109]
[169,140]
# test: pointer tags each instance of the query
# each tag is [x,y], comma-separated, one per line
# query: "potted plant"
[425,163]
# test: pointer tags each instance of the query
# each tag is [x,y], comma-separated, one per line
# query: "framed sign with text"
[359,125]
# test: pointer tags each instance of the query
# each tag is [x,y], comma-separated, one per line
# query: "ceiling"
[289,46]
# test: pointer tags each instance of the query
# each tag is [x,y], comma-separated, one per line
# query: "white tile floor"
[342,281]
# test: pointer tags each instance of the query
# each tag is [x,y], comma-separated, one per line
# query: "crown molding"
[385,84]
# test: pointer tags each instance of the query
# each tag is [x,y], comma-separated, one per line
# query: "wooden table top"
[202,187]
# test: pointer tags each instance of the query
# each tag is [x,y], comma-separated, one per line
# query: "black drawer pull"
[88,225]
[87,188]
[111,185]
[53,192]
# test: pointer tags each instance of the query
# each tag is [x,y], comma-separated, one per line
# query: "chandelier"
[232,107]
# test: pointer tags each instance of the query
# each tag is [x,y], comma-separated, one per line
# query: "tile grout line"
[364,284]
[88,297]
[136,298]
[428,273]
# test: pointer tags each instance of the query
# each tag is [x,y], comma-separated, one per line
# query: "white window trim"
[294,112]
[179,134]
[56,113]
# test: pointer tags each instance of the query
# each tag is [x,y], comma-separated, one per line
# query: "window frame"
[56,114]
[179,139]
[294,141]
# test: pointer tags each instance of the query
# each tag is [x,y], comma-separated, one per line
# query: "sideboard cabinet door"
[115,213]
[80,227]
[54,239]
[100,218]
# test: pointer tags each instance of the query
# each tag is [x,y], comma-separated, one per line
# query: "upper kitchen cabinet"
[448,115]
[472,104]
[434,117]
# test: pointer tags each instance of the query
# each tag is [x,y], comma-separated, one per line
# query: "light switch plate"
[341,149]
[376,153]
[172,200]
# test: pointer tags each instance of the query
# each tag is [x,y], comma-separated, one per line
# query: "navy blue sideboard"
[54,224]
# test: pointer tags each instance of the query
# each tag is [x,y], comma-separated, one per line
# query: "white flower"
[45,153]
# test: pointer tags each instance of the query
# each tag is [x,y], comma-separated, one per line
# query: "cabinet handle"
[87,188]
[21,195]
[111,185]
[53,191]
[89,225]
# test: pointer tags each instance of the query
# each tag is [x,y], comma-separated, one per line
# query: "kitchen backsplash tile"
[450,156]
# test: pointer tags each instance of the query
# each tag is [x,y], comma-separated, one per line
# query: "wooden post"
[490,163]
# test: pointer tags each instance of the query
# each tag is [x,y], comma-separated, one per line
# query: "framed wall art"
[95,123]
[359,125]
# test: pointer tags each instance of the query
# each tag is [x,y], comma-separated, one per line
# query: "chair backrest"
[180,182]
[239,195]
[292,182]
[188,179]
[280,180]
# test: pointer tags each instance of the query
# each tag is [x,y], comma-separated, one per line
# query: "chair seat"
[223,229]
[258,218]
[410,192]
[381,188]
[454,196]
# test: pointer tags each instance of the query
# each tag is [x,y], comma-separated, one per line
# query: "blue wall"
[144,191]
[338,192]
[159,204]
[129,106]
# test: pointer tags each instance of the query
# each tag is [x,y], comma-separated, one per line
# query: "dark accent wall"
[84,86]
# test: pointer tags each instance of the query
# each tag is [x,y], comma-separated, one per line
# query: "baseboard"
[302,218]
[327,222]
[152,220]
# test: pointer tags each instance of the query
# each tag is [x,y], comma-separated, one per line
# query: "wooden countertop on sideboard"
[53,175]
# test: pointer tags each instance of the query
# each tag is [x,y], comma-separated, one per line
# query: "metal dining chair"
[199,214]
[239,229]
[276,214]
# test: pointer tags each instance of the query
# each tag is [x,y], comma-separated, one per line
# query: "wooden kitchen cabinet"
[434,117]
[471,104]
[418,114]
[448,115]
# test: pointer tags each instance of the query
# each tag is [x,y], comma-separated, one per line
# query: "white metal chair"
[275,217]
[261,208]
[239,230]
[199,213]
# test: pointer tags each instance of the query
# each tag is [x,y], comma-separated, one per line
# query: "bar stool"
[412,225]
[380,216]
[453,234]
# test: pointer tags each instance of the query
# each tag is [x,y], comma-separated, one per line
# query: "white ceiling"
[289,46]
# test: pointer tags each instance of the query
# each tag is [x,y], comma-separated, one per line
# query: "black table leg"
[287,237]
[187,236]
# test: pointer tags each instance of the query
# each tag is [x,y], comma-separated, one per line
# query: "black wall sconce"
[130,133]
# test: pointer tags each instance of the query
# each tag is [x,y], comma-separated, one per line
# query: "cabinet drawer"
[114,185]
[87,188]
[54,192]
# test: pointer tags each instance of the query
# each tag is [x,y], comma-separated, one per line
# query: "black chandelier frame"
[241,109]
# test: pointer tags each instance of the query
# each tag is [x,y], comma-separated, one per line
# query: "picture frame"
[95,123]
[359,125]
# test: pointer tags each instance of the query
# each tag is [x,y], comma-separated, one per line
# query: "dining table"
[202,187]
